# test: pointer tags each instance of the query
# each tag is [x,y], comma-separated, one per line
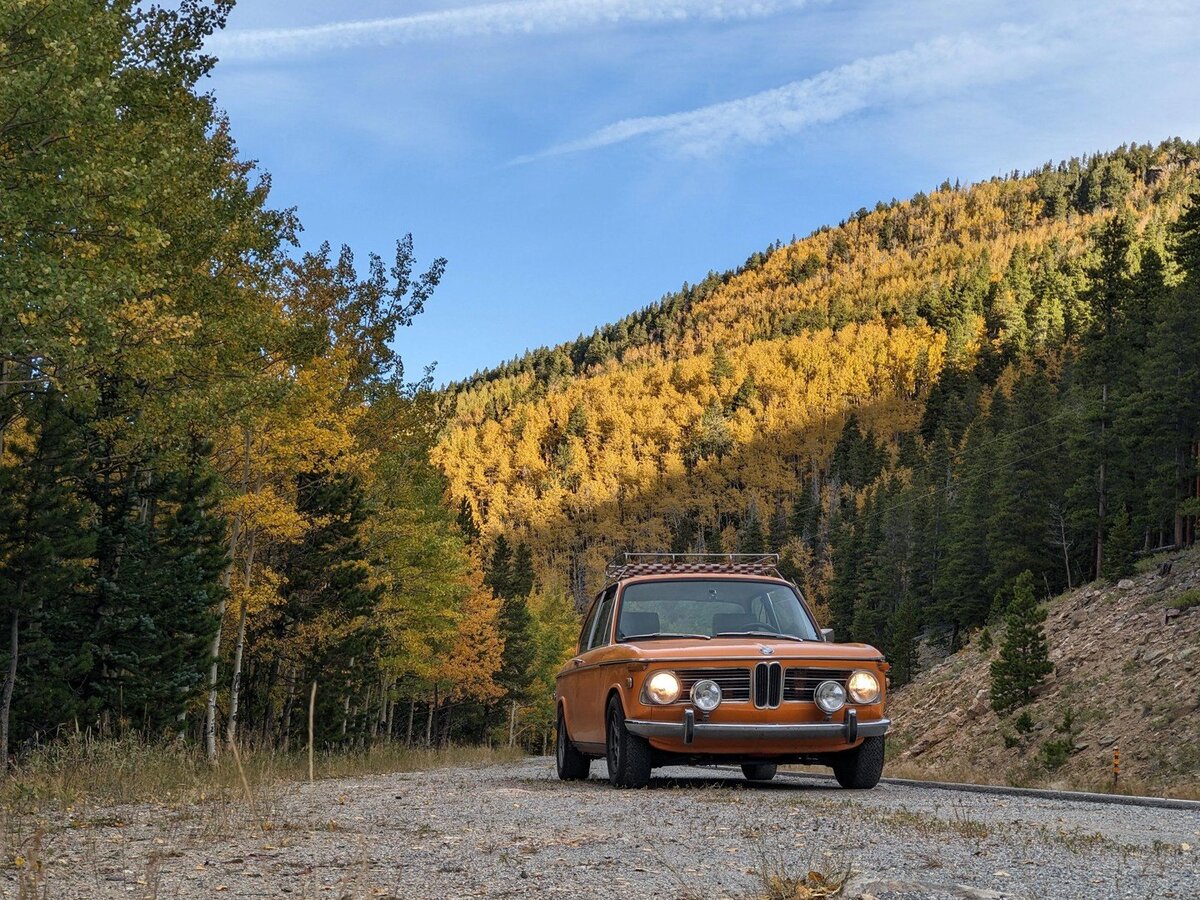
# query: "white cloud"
[513,17]
[931,69]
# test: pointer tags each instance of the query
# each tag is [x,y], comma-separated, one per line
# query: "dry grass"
[131,770]
[780,881]
[79,787]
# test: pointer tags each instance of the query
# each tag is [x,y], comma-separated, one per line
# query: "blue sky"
[576,159]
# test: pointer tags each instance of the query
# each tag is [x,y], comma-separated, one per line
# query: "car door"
[591,675]
[570,679]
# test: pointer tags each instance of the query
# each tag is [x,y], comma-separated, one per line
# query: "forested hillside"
[915,407]
[215,497]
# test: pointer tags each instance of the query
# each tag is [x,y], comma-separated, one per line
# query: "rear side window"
[603,626]
[588,623]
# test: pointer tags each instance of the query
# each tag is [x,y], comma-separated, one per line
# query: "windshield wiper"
[770,634]
[661,634]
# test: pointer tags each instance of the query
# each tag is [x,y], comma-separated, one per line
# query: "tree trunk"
[10,680]
[286,724]
[1062,531]
[235,681]
[312,707]
[380,722]
[346,700]
[512,724]
[1102,511]
[446,722]
[412,708]
[214,650]
[429,719]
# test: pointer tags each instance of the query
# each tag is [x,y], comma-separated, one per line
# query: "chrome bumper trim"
[702,732]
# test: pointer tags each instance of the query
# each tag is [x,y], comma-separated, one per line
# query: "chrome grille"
[734,683]
[800,683]
[768,685]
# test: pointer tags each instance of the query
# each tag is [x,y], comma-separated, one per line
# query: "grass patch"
[778,883]
[1186,600]
[132,770]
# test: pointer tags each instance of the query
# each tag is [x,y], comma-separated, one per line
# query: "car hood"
[740,648]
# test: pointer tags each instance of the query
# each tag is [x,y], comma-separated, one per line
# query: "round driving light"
[663,687]
[706,695]
[863,687]
[830,696]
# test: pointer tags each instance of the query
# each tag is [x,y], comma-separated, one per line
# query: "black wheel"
[628,755]
[571,764]
[759,771]
[860,768]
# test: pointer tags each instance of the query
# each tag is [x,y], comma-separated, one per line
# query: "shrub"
[1055,752]
[1186,600]
[1024,656]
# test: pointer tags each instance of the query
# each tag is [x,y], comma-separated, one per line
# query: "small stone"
[1125,584]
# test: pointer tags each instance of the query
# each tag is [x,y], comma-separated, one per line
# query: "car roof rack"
[694,563]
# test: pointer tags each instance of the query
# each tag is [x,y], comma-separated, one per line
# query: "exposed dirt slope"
[1126,664]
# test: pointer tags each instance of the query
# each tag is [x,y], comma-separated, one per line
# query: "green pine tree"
[1120,548]
[1024,655]
[520,582]
[498,571]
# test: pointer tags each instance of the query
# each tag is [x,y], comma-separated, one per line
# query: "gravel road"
[515,831]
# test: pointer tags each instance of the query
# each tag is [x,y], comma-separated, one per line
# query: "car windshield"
[713,608]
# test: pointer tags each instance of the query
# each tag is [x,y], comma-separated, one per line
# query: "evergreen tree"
[751,538]
[721,369]
[498,574]
[1029,461]
[328,595]
[520,582]
[1120,555]
[162,602]
[466,522]
[961,598]
[44,545]
[901,643]
[1024,655]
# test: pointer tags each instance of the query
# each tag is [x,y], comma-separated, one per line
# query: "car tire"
[628,755]
[861,768]
[571,764]
[759,771]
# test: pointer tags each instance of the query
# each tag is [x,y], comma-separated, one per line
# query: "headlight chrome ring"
[830,696]
[863,687]
[706,695]
[662,688]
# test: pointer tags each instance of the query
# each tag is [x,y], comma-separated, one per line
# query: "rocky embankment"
[1126,678]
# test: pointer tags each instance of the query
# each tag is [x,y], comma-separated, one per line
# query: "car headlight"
[863,687]
[663,688]
[830,696]
[706,695]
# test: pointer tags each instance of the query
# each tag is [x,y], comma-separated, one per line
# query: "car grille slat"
[734,683]
[768,685]
[799,684]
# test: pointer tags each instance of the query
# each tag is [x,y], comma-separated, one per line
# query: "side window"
[585,633]
[603,619]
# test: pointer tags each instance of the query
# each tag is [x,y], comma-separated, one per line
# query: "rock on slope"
[1127,667]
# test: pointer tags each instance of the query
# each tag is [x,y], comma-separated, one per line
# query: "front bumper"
[690,731]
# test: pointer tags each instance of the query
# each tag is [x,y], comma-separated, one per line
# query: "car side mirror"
[827,634]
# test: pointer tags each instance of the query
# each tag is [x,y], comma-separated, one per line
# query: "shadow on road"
[699,779]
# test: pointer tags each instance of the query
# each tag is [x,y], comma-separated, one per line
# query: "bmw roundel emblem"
[767,651]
